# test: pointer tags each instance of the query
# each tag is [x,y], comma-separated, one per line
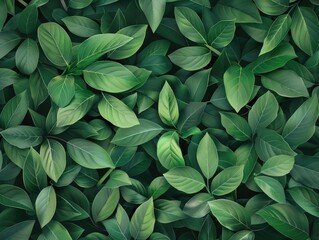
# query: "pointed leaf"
[45,205]
[271,187]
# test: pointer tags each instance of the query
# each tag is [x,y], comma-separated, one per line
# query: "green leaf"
[301,125]
[208,229]
[7,76]
[243,11]
[197,84]
[221,34]
[89,154]
[306,198]
[79,4]
[287,220]
[243,235]
[276,33]
[27,56]
[14,111]
[191,116]
[117,112]
[167,106]
[304,29]
[8,41]
[154,11]
[263,112]
[53,158]
[230,214]
[185,179]
[272,7]
[272,188]
[158,187]
[143,220]
[138,134]
[236,126]
[118,178]
[96,46]
[269,143]
[79,106]
[104,203]
[273,60]
[207,156]
[21,231]
[246,155]
[190,24]
[110,76]
[168,151]
[55,43]
[61,89]
[138,33]
[56,231]
[45,205]
[28,19]
[191,58]
[285,83]
[81,26]
[197,206]
[23,136]
[239,86]
[278,165]
[227,180]
[13,196]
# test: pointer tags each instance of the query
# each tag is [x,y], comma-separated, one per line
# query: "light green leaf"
[53,158]
[138,134]
[243,235]
[227,180]
[89,154]
[27,56]
[278,165]
[45,205]
[230,214]
[118,178]
[286,219]
[81,26]
[13,196]
[143,221]
[158,187]
[236,126]
[167,106]
[239,85]
[117,112]
[154,11]
[55,43]
[61,89]
[168,151]
[207,156]
[185,179]
[221,34]
[272,188]
[272,7]
[56,231]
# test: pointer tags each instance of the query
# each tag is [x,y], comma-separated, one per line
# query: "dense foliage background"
[159,119]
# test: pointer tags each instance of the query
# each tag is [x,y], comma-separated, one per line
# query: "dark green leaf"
[27,56]
[13,196]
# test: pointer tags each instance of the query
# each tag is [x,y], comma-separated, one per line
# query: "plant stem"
[23,3]
[214,50]
[65,7]
[104,177]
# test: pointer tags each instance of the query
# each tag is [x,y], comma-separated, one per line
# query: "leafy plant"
[159,119]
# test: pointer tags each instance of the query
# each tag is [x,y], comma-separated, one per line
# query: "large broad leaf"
[207,156]
[247,156]
[45,205]
[191,116]
[305,29]
[56,231]
[272,7]
[236,126]
[110,76]
[197,206]
[27,56]
[61,90]
[243,11]
[23,136]
[55,43]
[89,154]
[272,188]
[197,84]
[263,112]
[158,187]
[278,165]
[306,198]
[154,11]
[53,158]
[221,34]
[185,179]
[13,196]
[28,19]
[167,106]
[190,24]
[98,45]
[21,231]
[81,26]
[285,83]
[143,220]
[168,211]
[286,219]
[269,143]
[168,151]
[191,58]
[117,112]
[227,180]
[7,76]
[8,41]
[276,33]
[301,125]
[104,203]
[138,134]
[230,214]
[239,86]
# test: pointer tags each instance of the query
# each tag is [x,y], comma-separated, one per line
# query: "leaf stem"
[104,177]
[65,7]
[214,50]
[23,3]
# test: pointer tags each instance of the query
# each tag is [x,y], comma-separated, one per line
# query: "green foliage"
[159,119]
